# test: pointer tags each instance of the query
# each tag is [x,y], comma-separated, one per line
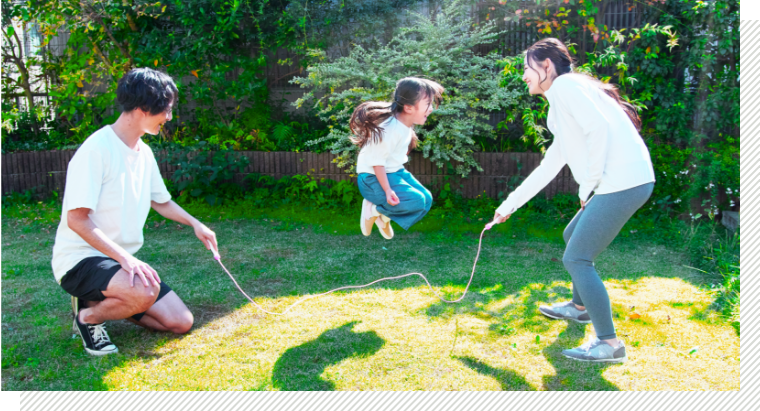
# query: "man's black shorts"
[90,277]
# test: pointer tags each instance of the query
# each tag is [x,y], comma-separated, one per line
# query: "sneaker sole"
[559,317]
[366,231]
[84,344]
[382,232]
[610,360]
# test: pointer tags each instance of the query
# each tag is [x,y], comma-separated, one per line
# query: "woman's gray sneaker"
[597,351]
[565,311]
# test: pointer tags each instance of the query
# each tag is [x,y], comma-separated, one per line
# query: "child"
[384,132]
[596,134]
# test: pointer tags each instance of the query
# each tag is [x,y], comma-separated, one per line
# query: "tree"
[24,77]
[439,48]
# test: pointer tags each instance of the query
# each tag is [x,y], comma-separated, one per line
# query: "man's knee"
[181,323]
[146,296]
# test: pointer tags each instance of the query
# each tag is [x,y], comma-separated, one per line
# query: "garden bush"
[440,49]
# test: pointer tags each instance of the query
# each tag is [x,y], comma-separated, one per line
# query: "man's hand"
[583,205]
[391,198]
[134,267]
[207,237]
[498,219]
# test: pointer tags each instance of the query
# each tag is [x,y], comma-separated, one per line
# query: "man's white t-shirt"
[389,152]
[117,183]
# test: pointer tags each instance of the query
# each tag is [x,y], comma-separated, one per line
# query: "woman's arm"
[535,182]
[382,178]
[173,211]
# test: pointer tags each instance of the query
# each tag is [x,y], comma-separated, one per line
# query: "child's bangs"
[433,91]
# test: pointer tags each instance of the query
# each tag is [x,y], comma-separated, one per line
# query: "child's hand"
[391,198]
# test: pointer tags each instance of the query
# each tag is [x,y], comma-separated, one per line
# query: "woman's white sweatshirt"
[594,136]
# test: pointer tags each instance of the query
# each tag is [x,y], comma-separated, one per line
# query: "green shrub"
[203,174]
[439,49]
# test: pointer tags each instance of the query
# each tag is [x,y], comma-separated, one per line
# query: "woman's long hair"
[366,119]
[556,51]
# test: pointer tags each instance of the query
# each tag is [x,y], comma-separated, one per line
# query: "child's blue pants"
[415,199]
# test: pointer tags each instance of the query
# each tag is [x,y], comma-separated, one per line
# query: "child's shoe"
[383,224]
[367,219]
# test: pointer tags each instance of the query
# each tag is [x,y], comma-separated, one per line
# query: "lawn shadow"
[40,351]
[300,368]
[572,375]
[508,379]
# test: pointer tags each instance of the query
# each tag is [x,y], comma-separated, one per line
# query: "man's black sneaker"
[95,338]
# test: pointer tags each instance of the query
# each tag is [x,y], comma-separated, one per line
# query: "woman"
[596,134]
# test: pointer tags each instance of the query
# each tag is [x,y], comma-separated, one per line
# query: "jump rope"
[488,226]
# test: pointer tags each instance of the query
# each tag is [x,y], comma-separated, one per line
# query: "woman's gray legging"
[587,235]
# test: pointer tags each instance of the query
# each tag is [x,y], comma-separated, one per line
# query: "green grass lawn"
[392,336]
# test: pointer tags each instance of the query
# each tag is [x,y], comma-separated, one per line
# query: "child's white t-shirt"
[389,152]
[118,185]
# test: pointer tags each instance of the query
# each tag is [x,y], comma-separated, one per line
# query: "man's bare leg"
[122,300]
[167,314]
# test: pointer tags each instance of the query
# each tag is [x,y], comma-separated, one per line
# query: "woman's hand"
[498,219]
[391,198]
[583,205]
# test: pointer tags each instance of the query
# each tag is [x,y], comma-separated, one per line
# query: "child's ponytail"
[366,120]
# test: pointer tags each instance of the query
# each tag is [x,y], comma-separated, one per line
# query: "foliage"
[440,49]
[205,174]
[714,250]
[215,49]
[20,64]
[680,68]
[319,193]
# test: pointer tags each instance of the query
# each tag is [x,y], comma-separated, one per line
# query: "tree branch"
[124,51]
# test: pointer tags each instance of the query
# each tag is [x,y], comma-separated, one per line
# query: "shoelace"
[99,334]
[587,346]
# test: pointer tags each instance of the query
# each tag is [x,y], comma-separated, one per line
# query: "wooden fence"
[45,171]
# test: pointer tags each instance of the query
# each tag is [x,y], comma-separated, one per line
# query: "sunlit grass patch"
[391,336]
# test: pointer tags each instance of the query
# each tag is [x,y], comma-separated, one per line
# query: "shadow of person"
[300,368]
[571,374]
[508,379]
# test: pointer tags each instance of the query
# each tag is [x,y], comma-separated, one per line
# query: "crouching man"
[112,182]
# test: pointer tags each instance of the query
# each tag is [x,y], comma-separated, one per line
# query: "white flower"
[678,200]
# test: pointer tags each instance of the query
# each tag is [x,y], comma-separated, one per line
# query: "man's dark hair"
[147,89]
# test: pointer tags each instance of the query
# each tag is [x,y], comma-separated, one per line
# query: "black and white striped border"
[371,401]
[750,200]
[676,401]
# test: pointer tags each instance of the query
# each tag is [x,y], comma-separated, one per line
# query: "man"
[112,182]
